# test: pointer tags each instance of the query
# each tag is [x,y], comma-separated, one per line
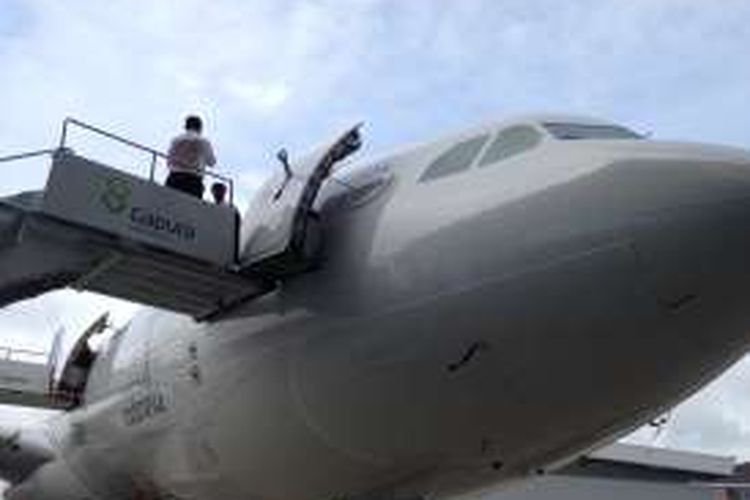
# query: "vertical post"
[153,167]
[64,134]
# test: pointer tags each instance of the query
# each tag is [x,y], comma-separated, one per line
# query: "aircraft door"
[75,373]
[278,235]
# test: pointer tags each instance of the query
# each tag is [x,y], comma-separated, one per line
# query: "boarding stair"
[96,228]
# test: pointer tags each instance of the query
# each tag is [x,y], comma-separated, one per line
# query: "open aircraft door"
[280,235]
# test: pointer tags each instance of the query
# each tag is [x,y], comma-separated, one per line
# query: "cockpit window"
[456,159]
[510,142]
[577,131]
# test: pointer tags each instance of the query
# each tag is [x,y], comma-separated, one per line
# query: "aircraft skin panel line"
[468,311]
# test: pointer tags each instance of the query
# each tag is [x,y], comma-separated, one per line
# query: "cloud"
[264,98]
[252,180]
[289,72]
[14,20]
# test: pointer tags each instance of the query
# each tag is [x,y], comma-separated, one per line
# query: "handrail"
[155,154]
[103,132]
[30,154]
[13,352]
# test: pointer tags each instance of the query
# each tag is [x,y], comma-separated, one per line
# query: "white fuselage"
[460,331]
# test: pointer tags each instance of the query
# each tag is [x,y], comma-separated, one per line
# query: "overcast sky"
[267,73]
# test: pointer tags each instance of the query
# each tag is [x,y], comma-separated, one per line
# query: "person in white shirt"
[189,155]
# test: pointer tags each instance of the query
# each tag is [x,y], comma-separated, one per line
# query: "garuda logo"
[116,195]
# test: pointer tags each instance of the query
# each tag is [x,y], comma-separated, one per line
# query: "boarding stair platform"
[96,228]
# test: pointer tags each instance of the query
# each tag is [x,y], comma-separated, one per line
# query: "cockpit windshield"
[578,131]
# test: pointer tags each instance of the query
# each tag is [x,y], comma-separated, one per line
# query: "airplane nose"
[691,229]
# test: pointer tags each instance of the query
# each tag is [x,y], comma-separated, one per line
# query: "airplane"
[483,308]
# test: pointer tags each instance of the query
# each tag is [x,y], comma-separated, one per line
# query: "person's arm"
[210,157]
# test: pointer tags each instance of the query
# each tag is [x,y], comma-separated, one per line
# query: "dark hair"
[219,191]
[193,122]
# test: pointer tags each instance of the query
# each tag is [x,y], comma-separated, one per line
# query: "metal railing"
[30,154]
[155,154]
[14,354]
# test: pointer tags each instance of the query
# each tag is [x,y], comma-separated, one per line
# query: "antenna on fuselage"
[659,423]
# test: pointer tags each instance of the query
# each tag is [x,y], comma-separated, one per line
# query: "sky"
[271,73]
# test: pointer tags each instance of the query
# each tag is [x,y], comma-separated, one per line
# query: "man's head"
[194,123]
[219,192]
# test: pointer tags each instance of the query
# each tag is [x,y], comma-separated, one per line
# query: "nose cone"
[689,219]
[685,214]
[690,223]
